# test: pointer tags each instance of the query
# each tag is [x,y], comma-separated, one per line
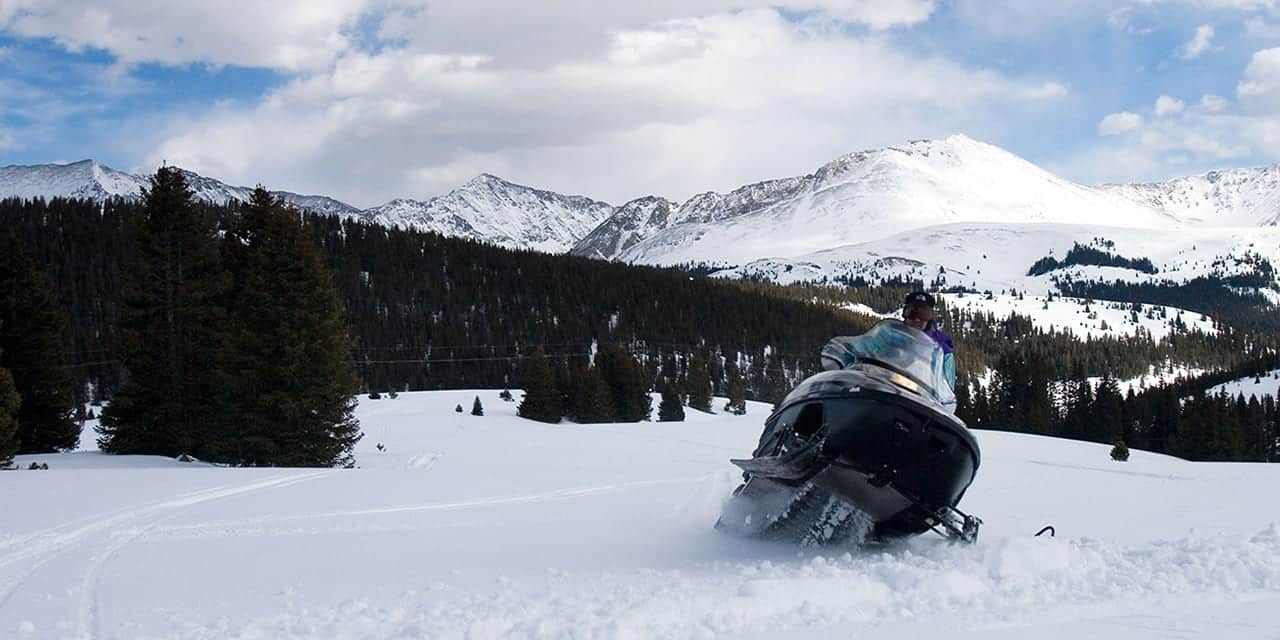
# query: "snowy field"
[491,527]
[1081,317]
[1268,384]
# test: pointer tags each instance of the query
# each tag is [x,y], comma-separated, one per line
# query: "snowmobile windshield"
[910,352]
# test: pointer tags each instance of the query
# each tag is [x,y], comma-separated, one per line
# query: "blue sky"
[373,99]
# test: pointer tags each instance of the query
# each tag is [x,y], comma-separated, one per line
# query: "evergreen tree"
[291,390]
[736,390]
[1106,419]
[1120,452]
[10,402]
[627,390]
[476,409]
[698,385]
[670,409]
[32,328]
[593,402]
[172,330]
[541,398]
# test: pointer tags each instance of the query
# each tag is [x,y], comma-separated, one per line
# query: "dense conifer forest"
[431,312]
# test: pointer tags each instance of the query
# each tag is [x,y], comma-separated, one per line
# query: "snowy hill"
[1084,318]
[496,527]
[1228,198]
[490,209]
[89,179]
[996,257]
[871,195]
[1267,384]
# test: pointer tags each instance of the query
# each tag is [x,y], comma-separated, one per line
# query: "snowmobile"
[869,450]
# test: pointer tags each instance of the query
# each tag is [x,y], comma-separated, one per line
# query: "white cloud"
[1115,124]
[1212,103]
[1166,105]
[1199,43]
[1048,90]
[1261,83]
[671,108]
[8,142]
[282,34]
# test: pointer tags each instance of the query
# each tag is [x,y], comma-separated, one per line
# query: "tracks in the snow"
[256,524]
[21,557]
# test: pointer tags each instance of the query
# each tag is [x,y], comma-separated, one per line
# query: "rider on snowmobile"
[917,311]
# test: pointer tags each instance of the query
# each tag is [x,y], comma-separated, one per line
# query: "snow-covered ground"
[1268,384]
[1083,318]
[486,527]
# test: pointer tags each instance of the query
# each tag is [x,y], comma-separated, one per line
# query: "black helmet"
[918,297]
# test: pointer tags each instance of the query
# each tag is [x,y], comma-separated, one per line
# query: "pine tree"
[10,402]
[1106,414]
[1120,452]
[592,402]
[627,391]
[737,390]
[291,400]
[32,328]
[698,385]
[541,398]
[172,330]
[670,409]
[476,409]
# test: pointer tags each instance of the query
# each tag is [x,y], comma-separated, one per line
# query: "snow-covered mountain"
[84,179]
[627,225]
[870,195]
[859,198]
[1227,198]
[95,181]
[490,209]
[995,257]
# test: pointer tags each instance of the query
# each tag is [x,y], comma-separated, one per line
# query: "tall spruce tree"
[1106,417]
[627,390]
[593,403]
[698,384]
[292,388]
[32,327]
[670,409]
[10,402]
[172,329]
[541,398]
[736,389]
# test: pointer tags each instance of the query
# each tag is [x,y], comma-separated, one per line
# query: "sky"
[370,100]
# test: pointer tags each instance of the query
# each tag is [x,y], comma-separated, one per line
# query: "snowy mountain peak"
[629,224]
[1225,198]
[871,194]
[95,181]
[491,209]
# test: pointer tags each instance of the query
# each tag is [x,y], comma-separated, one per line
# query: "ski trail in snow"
[41,547]
[88,610]
[560,494]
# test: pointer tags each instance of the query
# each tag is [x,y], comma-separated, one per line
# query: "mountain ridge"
[855,198]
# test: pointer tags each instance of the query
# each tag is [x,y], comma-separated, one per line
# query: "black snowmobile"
[867,451]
